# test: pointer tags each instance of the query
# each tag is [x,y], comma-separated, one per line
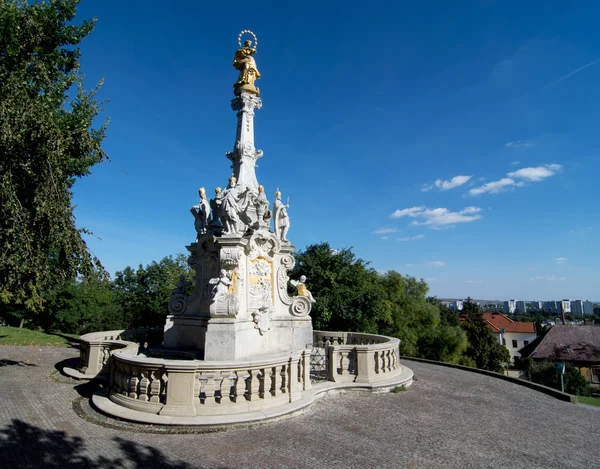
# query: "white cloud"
[428,264]
[536,174]
[437,217]
[407,211]
[520,144]
[514,162]
[411,238]
[385,230]
[456,181]
[549,278]
[473,281]
[561,260]
[384,237]
[531,174]
[493,187]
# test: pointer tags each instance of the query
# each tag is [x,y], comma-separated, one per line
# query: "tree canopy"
[48,139]
[484,350]
[351,296]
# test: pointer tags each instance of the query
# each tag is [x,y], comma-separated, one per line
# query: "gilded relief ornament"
[245,63]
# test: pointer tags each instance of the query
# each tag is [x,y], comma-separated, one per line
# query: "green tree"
[484,350]
[546,373]
[82,306]
[348,293]
[143,294]
[47,141]
[353,297]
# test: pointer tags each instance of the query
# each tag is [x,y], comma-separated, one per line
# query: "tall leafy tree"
[483,351]
[47,140]
[143,294]
[348,293]
[81,306]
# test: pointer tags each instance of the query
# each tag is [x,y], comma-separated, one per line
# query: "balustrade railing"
[206,388]
[174,383]
[96,347]
[358,358]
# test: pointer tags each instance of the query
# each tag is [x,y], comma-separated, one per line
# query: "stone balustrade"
[196,387]
[358,358]
[96,347]
[166,382]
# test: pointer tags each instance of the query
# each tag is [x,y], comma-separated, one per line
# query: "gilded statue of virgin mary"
[245,63]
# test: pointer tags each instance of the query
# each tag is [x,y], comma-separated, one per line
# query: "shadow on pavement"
[68,362]
[24,446]
[5,362]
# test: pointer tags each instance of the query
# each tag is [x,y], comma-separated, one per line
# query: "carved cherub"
[181,286]
[221,284]
[301,287]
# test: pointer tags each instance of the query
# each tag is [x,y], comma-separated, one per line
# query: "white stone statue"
[280,217]
[201,213]
[262,207]
[233,203]
[215,209]
[301,287]
[221,284]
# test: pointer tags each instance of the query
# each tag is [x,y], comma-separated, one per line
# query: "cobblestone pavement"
[448,418]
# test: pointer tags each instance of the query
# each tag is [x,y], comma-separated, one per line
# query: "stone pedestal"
[240,307]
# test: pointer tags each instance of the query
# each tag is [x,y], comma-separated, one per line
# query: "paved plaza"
[448,418]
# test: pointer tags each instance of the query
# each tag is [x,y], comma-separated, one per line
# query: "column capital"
[246,102]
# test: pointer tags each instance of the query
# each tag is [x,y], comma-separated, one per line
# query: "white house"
[513,335]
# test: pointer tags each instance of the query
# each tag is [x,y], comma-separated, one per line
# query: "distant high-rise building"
[510,306]
[582,308]
[552,307]
[456,305]
[521,306]
[536,306]
[565,306]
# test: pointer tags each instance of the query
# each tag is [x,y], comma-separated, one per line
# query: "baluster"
[202,379]
[275,381]
[281,380]
[253,385]
[240,386]
[218,389]
[197,386]
[344,360]
[228,388]
[133,382]
[144,382]
[154,386]
[264,383]
[164,383]
[124,381]
[376,358]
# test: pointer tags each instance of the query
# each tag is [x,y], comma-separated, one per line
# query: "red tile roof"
[497,321]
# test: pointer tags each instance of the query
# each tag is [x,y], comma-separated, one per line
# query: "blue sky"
[452,141]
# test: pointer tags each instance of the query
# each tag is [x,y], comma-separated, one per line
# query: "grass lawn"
[595,401]
[16,336]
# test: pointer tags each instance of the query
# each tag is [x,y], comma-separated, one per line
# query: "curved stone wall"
[174,385]
[196,387]
[353,357]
